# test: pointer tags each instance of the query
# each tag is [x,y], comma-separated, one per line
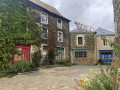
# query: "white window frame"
[82,39]
[106,42]
[58,36]
[61,24]
[42,32]
[46,16]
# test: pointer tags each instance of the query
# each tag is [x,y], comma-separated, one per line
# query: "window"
[61,54]
[60,36]
[44,33]
[44,18]
[106,55]
[80,54]
[80,40]
[105,42]
[44,50]
[59,24]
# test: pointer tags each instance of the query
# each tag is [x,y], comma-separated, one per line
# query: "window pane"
[80,41]
[76,55]
[44,33]
[59,24]
[44,18]
[80,54]
[60,36]
[17,57]
[105,42]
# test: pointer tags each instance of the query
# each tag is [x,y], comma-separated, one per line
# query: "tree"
[16,26]
[51,44]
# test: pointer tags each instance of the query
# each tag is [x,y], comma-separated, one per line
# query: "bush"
[37,58]
[20,67]
[100,81]
[51,56]
[64,63]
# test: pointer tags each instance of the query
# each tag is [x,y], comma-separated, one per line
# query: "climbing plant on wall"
[16,26]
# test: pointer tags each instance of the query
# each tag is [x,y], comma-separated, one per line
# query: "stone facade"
[36,13]
[88,46]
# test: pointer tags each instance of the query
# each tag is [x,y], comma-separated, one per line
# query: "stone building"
[90,45]
[44,15]
[82,45]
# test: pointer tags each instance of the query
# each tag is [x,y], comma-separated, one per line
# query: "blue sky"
[95,13]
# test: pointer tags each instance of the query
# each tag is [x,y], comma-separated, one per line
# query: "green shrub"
[64,63]
[51,56]
[19,67]
[100,81]
[37,58]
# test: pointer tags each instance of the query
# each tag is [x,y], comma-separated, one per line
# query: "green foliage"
[19,67]
[37,58]
[64,63]
[100,81]
[16,26]
[52,55]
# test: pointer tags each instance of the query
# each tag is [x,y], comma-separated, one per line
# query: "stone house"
[44,15]
[82,45]
[103,51]
[90,45]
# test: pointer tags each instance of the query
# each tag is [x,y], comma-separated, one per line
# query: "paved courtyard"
[59,78]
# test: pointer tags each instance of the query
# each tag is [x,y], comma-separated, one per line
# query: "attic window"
[44,18]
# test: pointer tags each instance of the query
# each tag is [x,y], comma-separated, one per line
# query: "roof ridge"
[47,7]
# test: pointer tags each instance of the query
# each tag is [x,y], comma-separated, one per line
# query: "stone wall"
[89,43]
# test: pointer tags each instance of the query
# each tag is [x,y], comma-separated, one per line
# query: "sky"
[94,13]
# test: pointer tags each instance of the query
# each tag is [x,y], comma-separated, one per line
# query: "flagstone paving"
[59,78]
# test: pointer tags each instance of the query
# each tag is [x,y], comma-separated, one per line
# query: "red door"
[23,52]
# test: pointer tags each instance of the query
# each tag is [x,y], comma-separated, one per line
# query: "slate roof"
[80,31]
[47,7]
[101,31]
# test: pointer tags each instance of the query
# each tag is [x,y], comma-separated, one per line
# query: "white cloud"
[95,13]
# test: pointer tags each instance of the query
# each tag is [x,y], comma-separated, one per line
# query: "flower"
[75,79]
[110,69]
[78,59]
[83,58]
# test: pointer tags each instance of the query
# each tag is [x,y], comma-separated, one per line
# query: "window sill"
[59,28]
[44,23]
[60,41]
[80,45]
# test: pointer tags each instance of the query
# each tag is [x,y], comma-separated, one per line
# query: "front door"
[23,52]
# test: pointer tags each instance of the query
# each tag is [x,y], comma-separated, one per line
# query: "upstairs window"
[80,40]
[105,42]
[44,18]
[59,24]
[44,33]
[60,36]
